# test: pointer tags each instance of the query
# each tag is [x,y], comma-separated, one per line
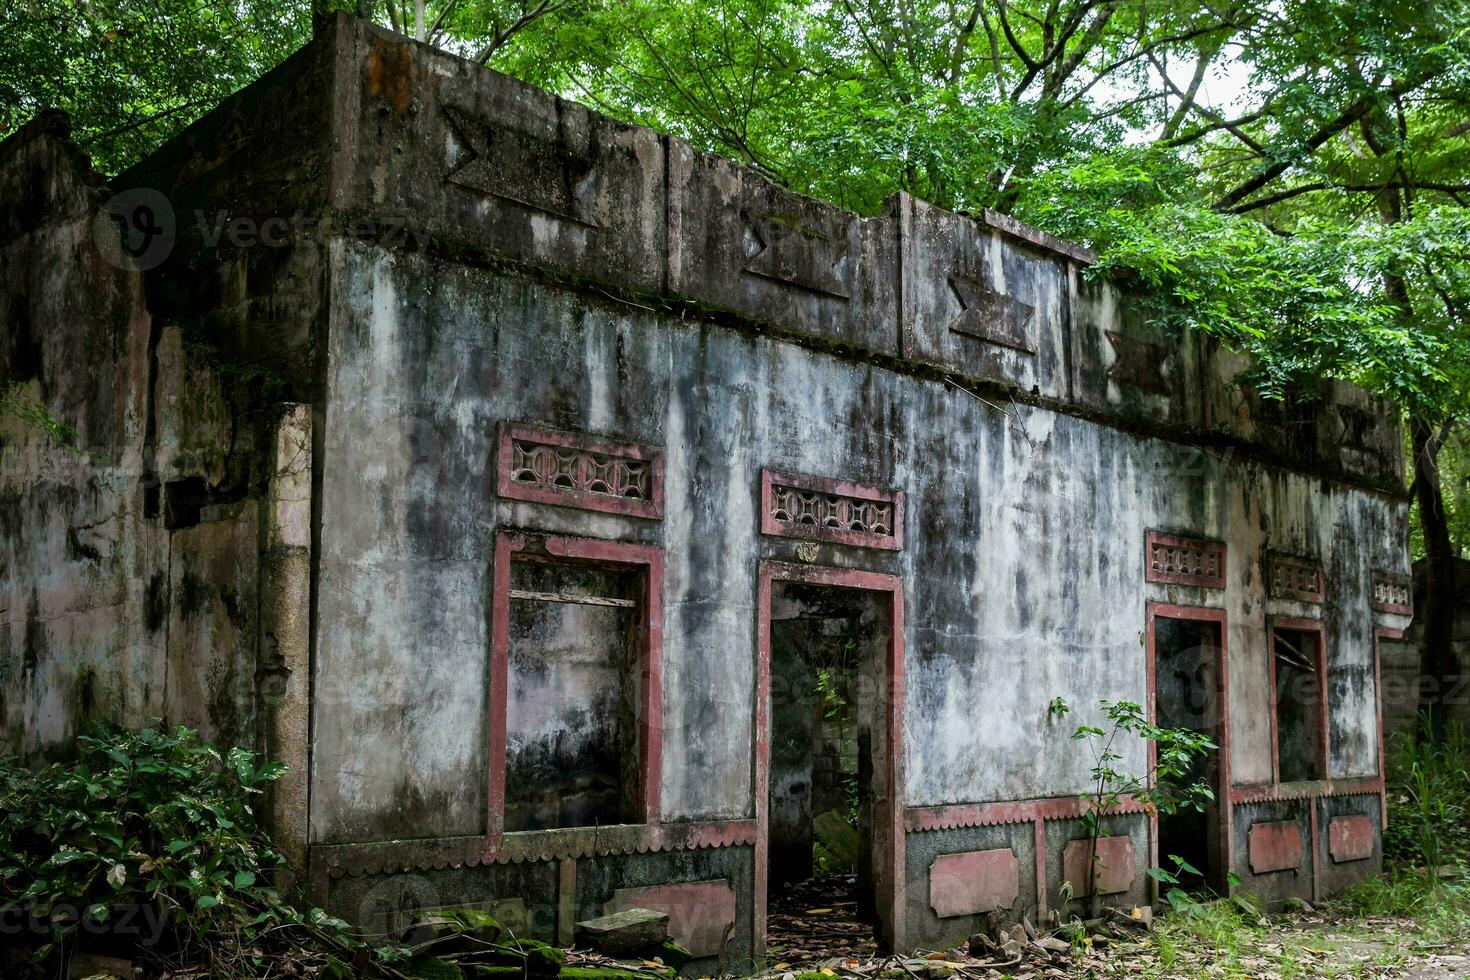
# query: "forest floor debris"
[816,934]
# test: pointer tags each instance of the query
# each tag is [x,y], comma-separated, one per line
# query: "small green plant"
[1164,785]
[1438,907]
[837,712]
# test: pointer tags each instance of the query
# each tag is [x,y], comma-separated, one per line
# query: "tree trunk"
[1436,616]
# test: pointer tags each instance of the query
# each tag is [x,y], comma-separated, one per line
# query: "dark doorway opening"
[828,650]
[1188,693]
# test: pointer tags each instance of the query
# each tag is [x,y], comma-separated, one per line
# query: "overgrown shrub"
[148,840]
[1428,799]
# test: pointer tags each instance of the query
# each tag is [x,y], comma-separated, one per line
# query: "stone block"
[973,882]
[699,912]
[1124,367]
[630,932]
[1275,846]
[1350,838]
[1112,871]
[1359,435]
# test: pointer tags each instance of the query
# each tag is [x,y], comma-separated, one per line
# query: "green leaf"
[1185,866]
[1180,900]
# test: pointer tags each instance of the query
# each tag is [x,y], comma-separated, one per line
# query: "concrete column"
[282,666]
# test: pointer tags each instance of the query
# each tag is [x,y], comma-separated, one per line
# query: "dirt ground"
[814,928]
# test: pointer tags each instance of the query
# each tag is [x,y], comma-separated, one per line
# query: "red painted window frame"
[840,488]
[573,551]
[1152,538]
[1208,614]
[1381,633]
[1324,722]
[889,894]
[651,508]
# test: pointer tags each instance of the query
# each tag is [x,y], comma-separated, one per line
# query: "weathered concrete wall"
[1025,555]
[83,583]
[130,579]
[1036,427]
[486,254]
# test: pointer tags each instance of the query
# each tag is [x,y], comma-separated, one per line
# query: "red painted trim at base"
[1273,792]
[387,857]
[917,819]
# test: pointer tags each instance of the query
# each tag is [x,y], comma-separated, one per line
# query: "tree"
[129,75]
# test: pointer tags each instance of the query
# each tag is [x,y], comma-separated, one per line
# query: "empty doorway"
[1188,675]
[826,770]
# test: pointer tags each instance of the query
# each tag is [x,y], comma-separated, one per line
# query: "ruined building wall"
[1402,678]
[134,553]
[528,333]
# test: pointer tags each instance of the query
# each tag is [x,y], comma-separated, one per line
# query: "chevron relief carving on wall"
[991,316]
[1139,364]
[522,169]
[784,248]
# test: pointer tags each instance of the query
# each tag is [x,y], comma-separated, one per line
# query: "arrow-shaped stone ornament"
[792,252]
[1139,364]
[520,168]
[992,316]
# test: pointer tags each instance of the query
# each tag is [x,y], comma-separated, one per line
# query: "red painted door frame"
[1225,819]
[888,848]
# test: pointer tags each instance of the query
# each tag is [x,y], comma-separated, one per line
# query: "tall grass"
[1426,846]
[1428,800]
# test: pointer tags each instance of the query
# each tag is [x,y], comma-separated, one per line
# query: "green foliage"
[1438,907]
[1429,800]
[1163,787]
[16,402]
[150,819]
[130,75]
[1315,220]
[837,713]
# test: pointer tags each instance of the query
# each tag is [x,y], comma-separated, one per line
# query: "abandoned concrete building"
[582,518]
